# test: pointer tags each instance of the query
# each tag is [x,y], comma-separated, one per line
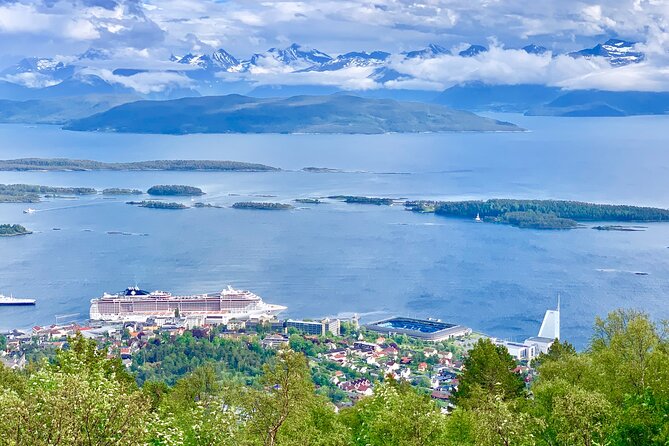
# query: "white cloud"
[144,83]
[143,33]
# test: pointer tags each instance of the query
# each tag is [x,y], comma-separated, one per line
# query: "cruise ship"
[138,305]
[11,300]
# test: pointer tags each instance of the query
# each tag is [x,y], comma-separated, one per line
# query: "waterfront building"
[320,328]
[425,329]
[549,331]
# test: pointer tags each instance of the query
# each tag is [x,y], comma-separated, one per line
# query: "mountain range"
[206,73]
[220,73]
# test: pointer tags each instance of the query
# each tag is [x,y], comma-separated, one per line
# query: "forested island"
[540,214]
[151,204]
[66,164]
[12,230]
[265,206]
[117,191]
[363,200]
[308,200]
[199,204]
[175,190]
[29,193]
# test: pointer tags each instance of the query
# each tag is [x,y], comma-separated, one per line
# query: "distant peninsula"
[13,230]
[299,114]
[175,190]
[66,164]
[30,193]
[262,206]
[539,214]
[151,204]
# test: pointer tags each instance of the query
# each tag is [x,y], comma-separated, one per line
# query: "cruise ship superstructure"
[138,305]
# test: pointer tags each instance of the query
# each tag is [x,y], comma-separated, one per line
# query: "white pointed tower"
[550,327]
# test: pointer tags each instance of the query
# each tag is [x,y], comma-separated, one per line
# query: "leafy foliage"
[615,393]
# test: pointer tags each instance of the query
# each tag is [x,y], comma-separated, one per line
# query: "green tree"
[396,415]
[488,369]
[286,411]
[81,399]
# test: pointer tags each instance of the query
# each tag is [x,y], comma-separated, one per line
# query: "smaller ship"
[29,211]
[478,218]
[11,300]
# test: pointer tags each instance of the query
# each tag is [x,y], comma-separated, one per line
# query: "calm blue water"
[335,258]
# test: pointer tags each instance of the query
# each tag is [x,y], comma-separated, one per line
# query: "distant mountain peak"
[195,59]
[618,52]
[432,50]
[353,59]
[473,50]
[94,54]
[223,59]
[535,49]
[294,56]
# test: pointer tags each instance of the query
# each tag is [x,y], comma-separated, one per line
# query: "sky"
[146,33]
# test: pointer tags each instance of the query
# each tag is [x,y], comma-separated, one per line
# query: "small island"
[619,228]
[13,230]
[117,191]
[199,204]
[321,170]
[175,190]
[308,200]
[262,206]
[363,200]
[151,204]
[540,214]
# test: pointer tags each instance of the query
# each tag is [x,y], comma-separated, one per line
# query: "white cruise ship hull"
[135,305]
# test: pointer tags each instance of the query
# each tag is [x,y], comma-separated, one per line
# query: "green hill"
[298,114]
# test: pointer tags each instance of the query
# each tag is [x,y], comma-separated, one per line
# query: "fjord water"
[335,258]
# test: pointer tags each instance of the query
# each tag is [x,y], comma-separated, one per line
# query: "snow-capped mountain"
[196,60]
[432,50]
[223,59]
[472,51]
[296,54]
[36,72]
[43,65]
[353,59]
[618,52]
[294,58]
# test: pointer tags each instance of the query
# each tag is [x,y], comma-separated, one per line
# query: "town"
[347,359]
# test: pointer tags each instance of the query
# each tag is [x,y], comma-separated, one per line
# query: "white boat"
[29,211]
[11,300]
[138,305]
[478,218]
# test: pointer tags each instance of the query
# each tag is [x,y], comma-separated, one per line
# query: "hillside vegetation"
[615,393]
